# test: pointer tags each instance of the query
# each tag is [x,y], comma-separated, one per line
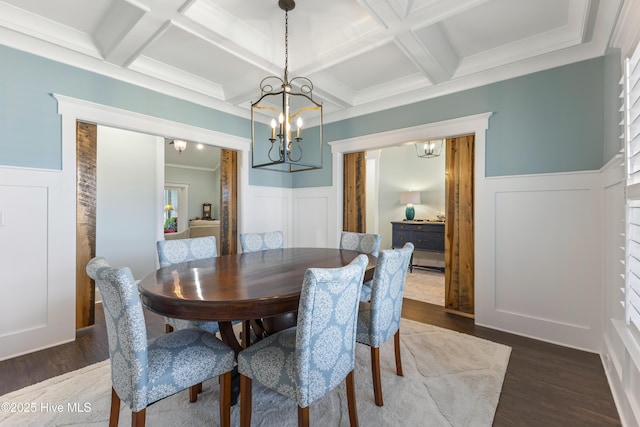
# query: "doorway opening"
[459,299]
[74,111]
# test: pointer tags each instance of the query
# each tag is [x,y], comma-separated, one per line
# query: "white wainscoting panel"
[36,310]
[24,214]
[314,218]
[539,273]
[268,209]
[540,234]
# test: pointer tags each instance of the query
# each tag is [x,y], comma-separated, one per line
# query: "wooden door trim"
[354,193]
[87,161]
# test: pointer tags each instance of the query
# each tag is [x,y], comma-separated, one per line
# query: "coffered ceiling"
[362,55]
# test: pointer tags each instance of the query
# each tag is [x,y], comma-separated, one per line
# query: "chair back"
[361,242]
[252,242]
[174,251]
[326,330]
[126,331]
[386,295]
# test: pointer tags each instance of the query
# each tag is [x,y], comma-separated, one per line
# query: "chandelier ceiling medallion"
[286,101]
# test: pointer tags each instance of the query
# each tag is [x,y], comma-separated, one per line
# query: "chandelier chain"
[286,47]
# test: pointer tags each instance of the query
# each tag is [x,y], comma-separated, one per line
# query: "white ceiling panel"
[373,68]
[501,22]
[362,55]
[196,56]
[81,15]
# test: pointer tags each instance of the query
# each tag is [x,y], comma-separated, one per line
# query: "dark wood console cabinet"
[425,236]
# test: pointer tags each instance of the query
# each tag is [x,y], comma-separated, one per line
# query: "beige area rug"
[450,379]
[425,285]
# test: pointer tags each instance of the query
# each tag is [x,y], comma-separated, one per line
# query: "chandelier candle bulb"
[273,128]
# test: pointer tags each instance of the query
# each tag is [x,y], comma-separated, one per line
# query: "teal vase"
[410,213]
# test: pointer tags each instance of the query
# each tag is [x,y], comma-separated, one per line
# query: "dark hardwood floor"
[545,384]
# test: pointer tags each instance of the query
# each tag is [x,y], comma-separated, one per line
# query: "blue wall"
[550,121]
[30,128]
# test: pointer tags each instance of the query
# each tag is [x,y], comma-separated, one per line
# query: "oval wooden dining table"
[247,286]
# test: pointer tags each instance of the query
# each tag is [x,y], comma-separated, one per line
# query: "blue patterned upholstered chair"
[252,242]
[379,319]
[365,243]
[255,242]
[143,372]
[182,250]
[309,360]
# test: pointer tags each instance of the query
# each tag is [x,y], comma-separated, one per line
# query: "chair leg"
[258,328]
[193,392]
[245,335]
[303,417]
[375,371]
[351,400]
[225,399]
[396,342]
[245,401]
[138,418]
[114,415]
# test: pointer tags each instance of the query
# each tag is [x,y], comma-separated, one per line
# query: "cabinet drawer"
[429,240]
[402,227]
[400,238]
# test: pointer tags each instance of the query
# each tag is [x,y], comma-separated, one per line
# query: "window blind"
[631,120]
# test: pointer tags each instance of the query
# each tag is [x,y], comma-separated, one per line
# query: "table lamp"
[410,198]
[168,208]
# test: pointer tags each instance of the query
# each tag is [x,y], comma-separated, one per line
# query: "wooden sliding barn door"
[228,202]
[459,242]
[86,167]
[354,200]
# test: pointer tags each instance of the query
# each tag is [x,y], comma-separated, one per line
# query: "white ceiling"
[362,55]
[198,156]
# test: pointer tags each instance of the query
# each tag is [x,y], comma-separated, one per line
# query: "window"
[171,202]
[631,120]
[176,204]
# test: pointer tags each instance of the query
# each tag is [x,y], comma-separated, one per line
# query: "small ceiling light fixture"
[429,149]
[285,101]
[179,145]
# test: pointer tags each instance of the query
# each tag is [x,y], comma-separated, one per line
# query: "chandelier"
[285,102]
[429,149]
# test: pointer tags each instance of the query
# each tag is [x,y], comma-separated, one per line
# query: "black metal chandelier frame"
[285,152]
